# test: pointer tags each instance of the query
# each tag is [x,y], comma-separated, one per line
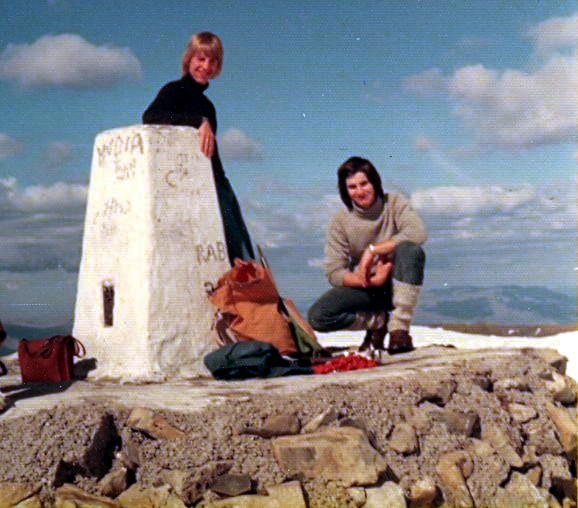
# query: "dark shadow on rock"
[13,393]
[388,475]
[16,392]
[66,473]
[83,367]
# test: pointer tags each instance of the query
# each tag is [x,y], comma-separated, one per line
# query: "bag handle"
[79,349]
[48,346]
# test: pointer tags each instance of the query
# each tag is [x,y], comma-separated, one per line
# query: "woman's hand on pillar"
[207,139]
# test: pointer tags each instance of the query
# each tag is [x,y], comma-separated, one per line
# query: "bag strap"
[263,260]
[79,349]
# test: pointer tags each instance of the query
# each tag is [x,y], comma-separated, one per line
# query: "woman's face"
[360,190]
[203,68]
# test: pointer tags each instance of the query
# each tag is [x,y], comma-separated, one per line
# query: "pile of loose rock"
[495,432]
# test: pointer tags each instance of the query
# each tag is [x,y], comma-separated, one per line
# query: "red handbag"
[49,360]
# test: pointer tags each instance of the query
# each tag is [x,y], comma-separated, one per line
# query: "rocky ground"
[436,427]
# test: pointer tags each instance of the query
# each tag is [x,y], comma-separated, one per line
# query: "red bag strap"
[79,349]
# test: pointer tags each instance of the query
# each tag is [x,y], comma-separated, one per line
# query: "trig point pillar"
[153,236]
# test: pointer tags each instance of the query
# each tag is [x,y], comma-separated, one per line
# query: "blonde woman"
[183,102]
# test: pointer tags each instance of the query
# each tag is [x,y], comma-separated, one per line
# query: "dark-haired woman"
[183,102]
[373,260]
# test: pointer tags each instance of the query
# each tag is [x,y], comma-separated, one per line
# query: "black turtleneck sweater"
[183,102]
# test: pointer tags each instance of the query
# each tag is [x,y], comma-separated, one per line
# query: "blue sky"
[469,108]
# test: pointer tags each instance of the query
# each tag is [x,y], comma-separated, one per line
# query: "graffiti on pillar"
[114,206]
[125,170]
[210,252]
[106,216]
[116,146]
[174,177]
[183,160]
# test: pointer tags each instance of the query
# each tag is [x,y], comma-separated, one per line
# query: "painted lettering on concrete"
[185,158]
[106,216]
[113,206]
[119,145]
[210,252]
[125,170]
[175,176]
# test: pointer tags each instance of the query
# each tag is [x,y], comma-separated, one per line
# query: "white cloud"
[278,222]
[8,146]
[67,60]
[235,144]
[473,82]
[458,201]
[492,213]
[498,214]
[60,195]
[517,108]
[40,226]
[8,184]
[555,33]
[39,198]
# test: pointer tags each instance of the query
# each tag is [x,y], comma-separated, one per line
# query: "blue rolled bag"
[250,359]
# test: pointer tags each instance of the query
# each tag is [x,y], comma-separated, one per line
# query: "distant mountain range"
[498,304]
[515,303]
[19,331]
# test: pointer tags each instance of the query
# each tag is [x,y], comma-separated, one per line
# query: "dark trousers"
[236,232]
[336,308]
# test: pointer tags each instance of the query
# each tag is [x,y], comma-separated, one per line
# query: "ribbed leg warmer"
[405,297]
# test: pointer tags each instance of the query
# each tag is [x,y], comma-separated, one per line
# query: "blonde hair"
[205,42]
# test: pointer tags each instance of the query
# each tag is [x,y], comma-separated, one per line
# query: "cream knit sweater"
[350,232]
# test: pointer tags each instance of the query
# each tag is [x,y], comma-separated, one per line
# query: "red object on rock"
[344,363]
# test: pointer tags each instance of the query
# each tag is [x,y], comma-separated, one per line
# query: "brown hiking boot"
[399,342]
[374,339]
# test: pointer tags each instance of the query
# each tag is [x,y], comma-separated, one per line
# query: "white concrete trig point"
[153,237]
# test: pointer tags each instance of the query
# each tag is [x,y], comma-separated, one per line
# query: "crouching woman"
[373,260]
